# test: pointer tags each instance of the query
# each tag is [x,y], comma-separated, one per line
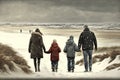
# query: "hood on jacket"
[36,34]
[37,30]
[54,44]
[70,40]
[86,29]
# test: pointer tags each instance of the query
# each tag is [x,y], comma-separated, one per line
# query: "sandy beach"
[19,42]
[104,37]
[100,33]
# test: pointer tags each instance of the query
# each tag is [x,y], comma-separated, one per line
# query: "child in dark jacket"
[54,57]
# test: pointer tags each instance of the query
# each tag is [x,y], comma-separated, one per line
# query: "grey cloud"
[59,10]
[91,5]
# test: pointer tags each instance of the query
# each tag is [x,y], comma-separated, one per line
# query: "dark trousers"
[71,63]
[54,64]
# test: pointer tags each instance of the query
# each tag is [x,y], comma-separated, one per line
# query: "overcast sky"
[59,11]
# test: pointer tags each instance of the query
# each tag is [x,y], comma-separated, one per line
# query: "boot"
[72,70]
[35,65]
[53,70]
[38,65]
[90,69]
[35,69]
[68,70]
[38,69]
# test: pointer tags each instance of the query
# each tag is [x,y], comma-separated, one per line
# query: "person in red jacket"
[54,57]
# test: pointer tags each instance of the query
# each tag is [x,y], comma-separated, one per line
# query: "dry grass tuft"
[10,65]
[102,49]
[2,68]
[8,56]
[25,69]
[96,58]
[106,49]
[19,60]
[99,58]
[8,51]
[113,66]
[113,55]
[80,62]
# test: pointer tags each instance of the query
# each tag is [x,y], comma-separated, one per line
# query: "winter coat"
[70,48]
[54,50]
[87,39]
[36,45]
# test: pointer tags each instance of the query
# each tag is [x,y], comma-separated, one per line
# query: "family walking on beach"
[87,41]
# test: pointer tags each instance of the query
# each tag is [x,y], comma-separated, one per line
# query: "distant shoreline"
[101,33]
[101,26]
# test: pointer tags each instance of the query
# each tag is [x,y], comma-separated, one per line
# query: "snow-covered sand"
[20,41]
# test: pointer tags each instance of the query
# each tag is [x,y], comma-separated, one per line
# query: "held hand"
[44,51]
[47,52]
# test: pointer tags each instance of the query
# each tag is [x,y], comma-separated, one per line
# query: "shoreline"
[62,31]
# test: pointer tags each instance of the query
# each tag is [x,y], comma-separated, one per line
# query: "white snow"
[20,41]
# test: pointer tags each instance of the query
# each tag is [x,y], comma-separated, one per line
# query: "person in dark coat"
[87,40]
[36,47]
[70,48]
[54,57]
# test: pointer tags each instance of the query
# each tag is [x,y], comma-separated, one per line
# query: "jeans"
[54,64]
[71,63]
[87,53]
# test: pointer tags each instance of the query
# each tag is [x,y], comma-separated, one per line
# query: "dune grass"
[80,62]
[8,56]
[99,58]
[113,66]
[106,49]
[112,53]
